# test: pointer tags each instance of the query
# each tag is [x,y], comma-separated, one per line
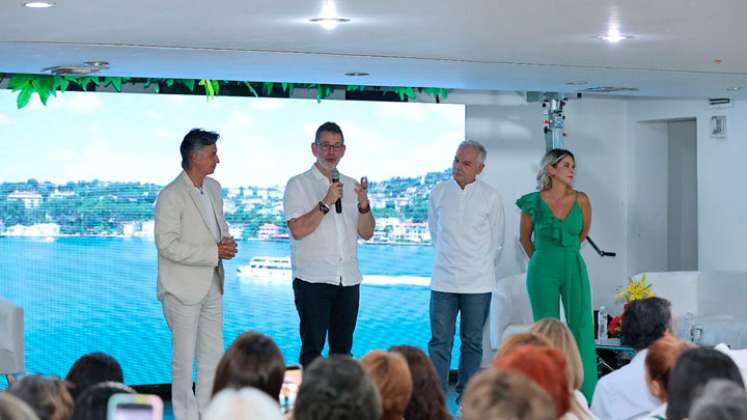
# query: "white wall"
[682,223]
[722,203]
[515,141]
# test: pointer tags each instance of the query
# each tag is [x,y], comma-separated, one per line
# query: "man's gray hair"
[477,145]
[720,400]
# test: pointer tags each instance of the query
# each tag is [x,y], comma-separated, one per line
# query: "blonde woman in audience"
[391,374]
[521,339]
[242,404]
[560,337]
[48,397]
[495,394]
[13,408]
[660,359]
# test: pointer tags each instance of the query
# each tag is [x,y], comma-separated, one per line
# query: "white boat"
[266,268]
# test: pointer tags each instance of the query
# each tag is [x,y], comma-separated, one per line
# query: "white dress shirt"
[623,394]
[212,222]
[467,229]
[329,254]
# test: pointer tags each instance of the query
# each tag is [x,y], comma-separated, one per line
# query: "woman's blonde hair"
[521,339]
[561,338]
[558,334]
[551,158]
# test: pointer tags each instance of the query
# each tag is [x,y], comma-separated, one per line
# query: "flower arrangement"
[635,290]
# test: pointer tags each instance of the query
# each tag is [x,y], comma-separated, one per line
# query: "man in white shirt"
[624,393]
[465,217]
[326,216]
[192,240]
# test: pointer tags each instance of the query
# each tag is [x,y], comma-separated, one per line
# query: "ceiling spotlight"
[613,36]
[577,83]
[356,74]
[38,4]
[329,18]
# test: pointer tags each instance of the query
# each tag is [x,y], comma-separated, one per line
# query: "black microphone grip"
[336,178]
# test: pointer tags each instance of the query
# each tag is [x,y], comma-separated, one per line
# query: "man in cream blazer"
[192,240]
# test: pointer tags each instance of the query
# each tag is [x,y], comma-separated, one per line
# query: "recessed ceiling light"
[38,4]
[577,83]
[329,18]
[356,74]
[614,38]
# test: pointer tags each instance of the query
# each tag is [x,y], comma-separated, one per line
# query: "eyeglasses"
[327,147]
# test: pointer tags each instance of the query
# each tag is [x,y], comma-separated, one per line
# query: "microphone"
[336,178]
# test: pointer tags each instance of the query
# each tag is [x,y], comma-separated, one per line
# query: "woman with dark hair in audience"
[92,403]
[337,388]
[721,400]
[660,359]
[545,366]
[693,370]
[254,360]
[428,401]
[496,394]
[390,373]
[48,397]
[92,369]
[14,408]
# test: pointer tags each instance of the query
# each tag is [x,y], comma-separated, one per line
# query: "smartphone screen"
[291,383]
[134,407]
[133,411]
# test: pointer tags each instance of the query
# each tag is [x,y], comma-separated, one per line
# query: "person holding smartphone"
[326,213]
[193,240]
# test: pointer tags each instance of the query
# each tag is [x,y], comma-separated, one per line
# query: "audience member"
[48,397]
[337,388]
[91,369]
[561,338]
[13,408]
[428,401]
[661,358]
[252,360]
[495,394]
[521,339]
[392,376]
[623,394]
[242,404]
[693,370]
[545,366]
[721,400]
[92,403]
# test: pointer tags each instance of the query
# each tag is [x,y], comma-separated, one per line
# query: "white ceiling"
[467,44]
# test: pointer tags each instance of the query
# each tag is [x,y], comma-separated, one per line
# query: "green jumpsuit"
[557,270]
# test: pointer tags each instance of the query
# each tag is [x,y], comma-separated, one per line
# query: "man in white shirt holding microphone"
[326,214]
[465,217]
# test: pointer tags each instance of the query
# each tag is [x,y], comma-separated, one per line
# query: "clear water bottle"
[602,325]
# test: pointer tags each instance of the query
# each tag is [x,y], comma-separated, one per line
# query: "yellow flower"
[635,290]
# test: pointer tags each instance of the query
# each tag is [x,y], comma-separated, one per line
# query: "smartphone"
[134,407]
[291,383]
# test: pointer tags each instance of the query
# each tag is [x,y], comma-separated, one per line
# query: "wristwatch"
[323,207]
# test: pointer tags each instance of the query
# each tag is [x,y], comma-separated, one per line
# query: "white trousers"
[196,330]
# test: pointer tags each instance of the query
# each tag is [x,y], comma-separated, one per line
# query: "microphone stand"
[599,251]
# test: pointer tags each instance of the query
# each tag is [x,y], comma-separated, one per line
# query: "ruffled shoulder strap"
[528,203]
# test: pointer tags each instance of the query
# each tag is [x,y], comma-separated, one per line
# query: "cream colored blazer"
[187,251]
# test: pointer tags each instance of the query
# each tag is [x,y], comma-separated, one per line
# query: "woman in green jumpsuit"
[559,217]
